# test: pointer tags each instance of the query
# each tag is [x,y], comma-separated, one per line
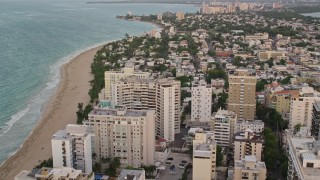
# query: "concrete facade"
[247,143]
[111,77]
[71,148]
[249,168]
[204,156]
[128,134]
[242,89]
[201,95]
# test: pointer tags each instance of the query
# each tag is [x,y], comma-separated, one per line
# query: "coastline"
[59,110]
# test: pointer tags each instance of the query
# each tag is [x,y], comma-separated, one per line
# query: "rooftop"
[114,112]
[127,174]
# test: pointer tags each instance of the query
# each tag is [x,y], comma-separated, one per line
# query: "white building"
[304,157]
[247,143]
[128,174]
[71,148]
[128,134]
[167,108]
[201,95]
[54,174]
[204,156]
[249,168]
[301,108]
[110,77]
[257,126]
[223,122]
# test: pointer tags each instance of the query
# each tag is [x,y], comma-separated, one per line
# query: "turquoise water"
[36,38]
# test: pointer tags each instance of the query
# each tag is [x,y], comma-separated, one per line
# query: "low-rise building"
[54,174]
[128,174]
[249,168]
[257,126]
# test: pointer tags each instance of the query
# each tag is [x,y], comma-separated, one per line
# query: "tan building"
[280,100]
[242,89]
[249,168]
[204,156]
[110,77]
[180,15]
[161,95]
[128,134]
[247,143]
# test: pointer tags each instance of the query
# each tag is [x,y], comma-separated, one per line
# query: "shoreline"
[24,158]
[59,110]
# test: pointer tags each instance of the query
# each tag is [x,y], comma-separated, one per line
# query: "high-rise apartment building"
[242,89]
[167,108]
[161,95]
[247,143]
[123,133]
[249,168]
[71,148]
[223,122]
[201,94]
[204,156]
[134,93]
[315,126]
[111,77]
[301,107]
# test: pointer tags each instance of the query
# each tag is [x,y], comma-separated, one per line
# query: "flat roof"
[125,172]
[113,112]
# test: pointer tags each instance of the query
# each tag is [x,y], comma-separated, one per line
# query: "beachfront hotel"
[111,77]
[127,134]
[161,95]
[204,156]
[71,148]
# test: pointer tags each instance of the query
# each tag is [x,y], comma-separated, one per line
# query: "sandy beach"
[61,110]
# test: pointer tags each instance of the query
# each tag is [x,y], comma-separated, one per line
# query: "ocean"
[316,14]
[37,37]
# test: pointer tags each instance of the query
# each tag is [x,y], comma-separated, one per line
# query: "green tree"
[219,157]
[80,113]
[174,72]
[261,84]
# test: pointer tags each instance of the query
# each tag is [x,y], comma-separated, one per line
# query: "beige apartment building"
[128,134]
[161,95]
[111,77]
[204,156]
[247,143]
[249,168]
[242,89]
